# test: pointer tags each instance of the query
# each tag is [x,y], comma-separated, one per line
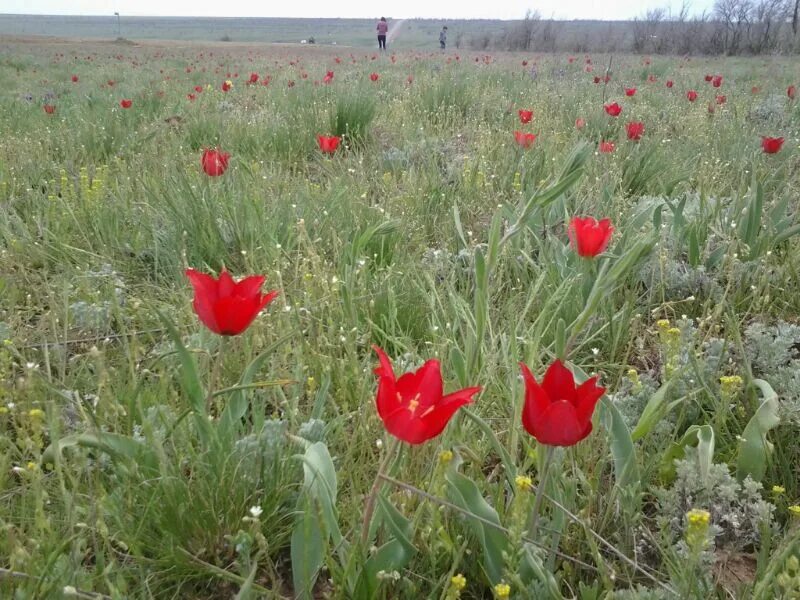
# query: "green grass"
[133,442]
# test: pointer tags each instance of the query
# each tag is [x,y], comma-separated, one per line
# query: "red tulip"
[557,413]
[580,123]
[191,97]
[635,130]
[328,144]
[374,76]
[410,79]
[413,408]
[74,79]
[771,145]
[49,109]
[709,77]
[524,140]
[290,83]
[613,109]
[525,116]
[716,81]
[721,99]
[225,306]
[198,89]
[669,83]
[328,77]
[755,89]
[597,79]
[652,78]
[214,162]
[630,92]
[125,103]
[524,63]
[253,78]
[791,91]
[588,236]
[606,147]
[691,95]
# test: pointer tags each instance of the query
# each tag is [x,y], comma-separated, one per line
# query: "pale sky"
[450,9]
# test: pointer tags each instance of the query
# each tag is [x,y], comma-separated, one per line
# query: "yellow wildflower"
[795,510]
[445,456]
[502,591]
[458,582]
[778,490]
[524,483]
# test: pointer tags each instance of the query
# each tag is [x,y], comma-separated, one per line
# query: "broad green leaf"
[463,492]
[754,449]
[394,555]
[316,522]
[652,413]
[114,444]
[626,469]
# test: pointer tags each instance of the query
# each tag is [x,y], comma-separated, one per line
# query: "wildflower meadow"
[317,322]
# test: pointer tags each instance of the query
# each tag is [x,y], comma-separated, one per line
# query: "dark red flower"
[791,91]
[709,77]
[413,408]
[721,99]
[597,79]
[49,109]
[290,83]
[225,306]
[191,97]
[524,140]
[557,413]
[253,78]
[125,103]
[755,89]
[198,89]
[580,123]
[771,145]
[74,79]
[630,92]
[634,129]
[328,77]
[328,144]
[716,81]
[588,236]
[691,95]
[525,116]
[613,109]
[214,162]
[374,76]
[652,78]
[606,147]
[669,83]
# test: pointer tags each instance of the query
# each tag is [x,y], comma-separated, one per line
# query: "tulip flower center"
[413,404]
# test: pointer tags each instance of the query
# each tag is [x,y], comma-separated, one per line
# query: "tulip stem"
[391,450]
[537,503]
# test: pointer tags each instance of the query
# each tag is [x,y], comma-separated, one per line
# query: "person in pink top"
[383,28]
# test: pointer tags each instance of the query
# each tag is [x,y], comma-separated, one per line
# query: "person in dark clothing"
[383,28]
[443,38]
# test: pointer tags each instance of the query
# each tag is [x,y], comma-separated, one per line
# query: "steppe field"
[506,326]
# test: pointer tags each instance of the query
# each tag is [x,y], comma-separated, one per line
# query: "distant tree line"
[732,27]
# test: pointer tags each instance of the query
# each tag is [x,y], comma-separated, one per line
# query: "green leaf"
[754,449]
[700,435]
[394,555]
[653,412]
[626,469]
[463,492]
[316,523]
[236,408]
[116,445]
[190,377]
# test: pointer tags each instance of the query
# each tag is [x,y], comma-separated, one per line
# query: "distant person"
[383,28]
[443,38]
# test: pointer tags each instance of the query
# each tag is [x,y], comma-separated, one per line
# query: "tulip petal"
[559,383]
[439,416]
[536,401]
[588,393]
[249,286]
[202,283]
[560,426]
[234,315]
[386,399]
[424,385]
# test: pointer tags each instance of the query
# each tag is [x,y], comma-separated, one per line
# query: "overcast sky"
[451,9]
